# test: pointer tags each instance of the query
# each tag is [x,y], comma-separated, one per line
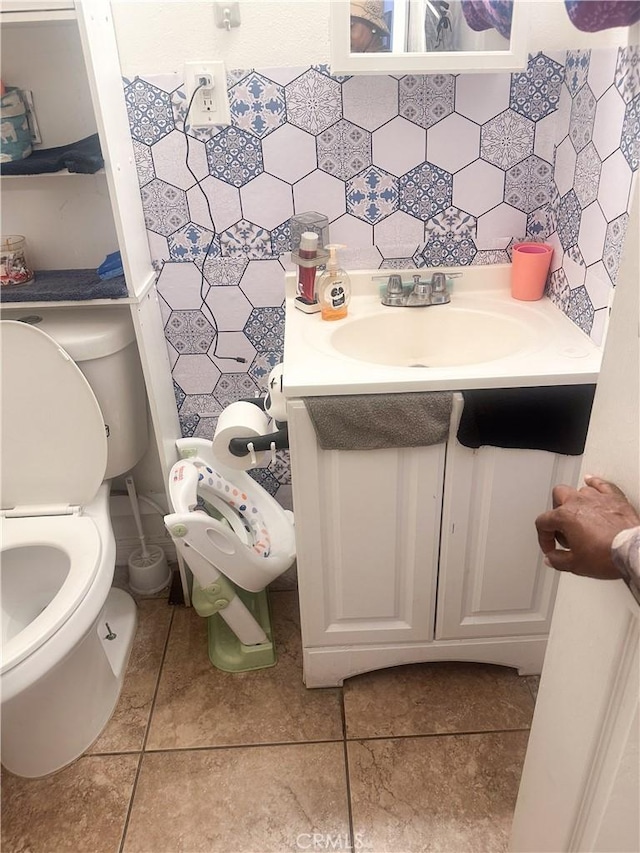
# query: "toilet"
[66,634]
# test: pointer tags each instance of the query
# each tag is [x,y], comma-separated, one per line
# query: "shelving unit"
[66,54]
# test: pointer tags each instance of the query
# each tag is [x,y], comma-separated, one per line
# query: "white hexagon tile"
[423,170]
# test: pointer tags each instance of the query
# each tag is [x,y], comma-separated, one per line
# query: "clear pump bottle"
[334,288]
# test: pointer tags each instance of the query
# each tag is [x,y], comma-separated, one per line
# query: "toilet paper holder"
[271,441]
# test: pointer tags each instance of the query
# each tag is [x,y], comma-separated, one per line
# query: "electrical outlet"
[210,104]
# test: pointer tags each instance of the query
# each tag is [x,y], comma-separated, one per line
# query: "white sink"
[482,339]
[436,336]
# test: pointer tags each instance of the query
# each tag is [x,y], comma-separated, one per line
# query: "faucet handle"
[394,284]
[438,282]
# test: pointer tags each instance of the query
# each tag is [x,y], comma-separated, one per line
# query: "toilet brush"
[148,568]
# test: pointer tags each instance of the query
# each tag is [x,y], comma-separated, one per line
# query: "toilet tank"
[102,343]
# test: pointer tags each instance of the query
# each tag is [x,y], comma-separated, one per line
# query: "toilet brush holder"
[148,572]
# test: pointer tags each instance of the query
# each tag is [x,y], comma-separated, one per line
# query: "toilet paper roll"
[239,420]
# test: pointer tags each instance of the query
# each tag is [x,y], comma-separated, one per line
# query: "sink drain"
[418,365]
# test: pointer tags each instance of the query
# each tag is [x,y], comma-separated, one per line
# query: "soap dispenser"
[334,288]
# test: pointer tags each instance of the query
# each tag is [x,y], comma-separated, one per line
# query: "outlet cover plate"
[207,111]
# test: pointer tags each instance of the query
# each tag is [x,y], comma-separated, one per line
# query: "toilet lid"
[54,446]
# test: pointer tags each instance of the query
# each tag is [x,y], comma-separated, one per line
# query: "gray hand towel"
[375,421]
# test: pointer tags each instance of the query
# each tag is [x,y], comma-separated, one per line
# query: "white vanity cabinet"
[420,554]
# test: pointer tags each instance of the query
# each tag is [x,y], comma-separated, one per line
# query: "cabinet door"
[367,534]
[493,581]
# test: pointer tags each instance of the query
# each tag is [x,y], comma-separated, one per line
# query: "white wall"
[156,37]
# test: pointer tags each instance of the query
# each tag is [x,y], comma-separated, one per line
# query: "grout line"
[146,734]
[219,746]
[439,734]
[346,770]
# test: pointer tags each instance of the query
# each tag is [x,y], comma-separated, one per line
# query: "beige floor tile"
[126,729]
[197,705]
[534,684]
[452,793]
[257,799]
[436,698]
[81,809]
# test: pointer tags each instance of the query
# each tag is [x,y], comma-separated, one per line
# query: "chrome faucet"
[421,293]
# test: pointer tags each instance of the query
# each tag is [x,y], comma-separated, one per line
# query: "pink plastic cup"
[529,268]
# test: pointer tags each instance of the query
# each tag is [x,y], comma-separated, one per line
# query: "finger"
[561,494]
[562,561]
[603,486]
[547,526]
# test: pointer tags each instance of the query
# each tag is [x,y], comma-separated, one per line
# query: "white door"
[580,787]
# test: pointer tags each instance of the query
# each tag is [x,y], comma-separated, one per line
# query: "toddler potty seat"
[236,539]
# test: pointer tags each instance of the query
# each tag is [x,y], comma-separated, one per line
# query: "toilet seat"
[77,538]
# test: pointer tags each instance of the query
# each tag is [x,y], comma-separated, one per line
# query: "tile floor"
[417,758]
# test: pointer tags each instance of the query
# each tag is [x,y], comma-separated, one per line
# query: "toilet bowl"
[66,635]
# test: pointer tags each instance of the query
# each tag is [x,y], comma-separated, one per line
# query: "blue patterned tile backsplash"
[433,170]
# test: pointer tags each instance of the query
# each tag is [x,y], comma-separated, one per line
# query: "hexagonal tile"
[451,222]
[528,185]
[144,162]
[343,149]
[165,207]
[536,92]
[196,374]
[425,191]
[583,113]
[425,99]
[230,308]
[580,309]
[394,158]
[558,290]
[574,268]
[263,283]
[246,238]
[224,272]
[613,243]
[630,142]
[448,250]
[313,101]
[598,286]
[372,195]
[627,73]
[569,215]
[352,233]
[216,196]
[370,101]
[565,168]
[257,104]
[488,257]
[281,239]
[610,111]
[262,365]
[289,153]
[267,201]
[602,69]
[587,178]
[496,225]
[453,143]
[189,332]
[227,348]
[615,186]
[232,387]
[478,187]
[234,156]
[398,234]
[149,110]
[541,222]
[265,478]
[593,228]
[576,68]
[562,115]
[179,285]
[319,191]
[158,248]
[169,155]
[265,328]
[204,405]
[482,96]
[193,243]
[507,139]
[544,142]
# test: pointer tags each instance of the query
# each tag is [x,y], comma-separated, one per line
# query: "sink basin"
[438,336]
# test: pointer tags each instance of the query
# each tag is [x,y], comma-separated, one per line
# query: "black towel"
[83,157]
[553,418]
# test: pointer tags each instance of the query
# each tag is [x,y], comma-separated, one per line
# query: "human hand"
[585,521]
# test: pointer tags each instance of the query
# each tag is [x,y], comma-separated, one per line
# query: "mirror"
[427,36]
